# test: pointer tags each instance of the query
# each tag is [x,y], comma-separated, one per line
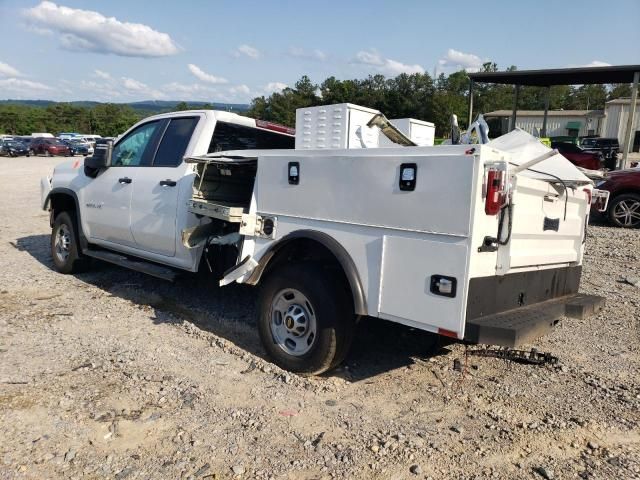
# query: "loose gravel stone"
[114,374]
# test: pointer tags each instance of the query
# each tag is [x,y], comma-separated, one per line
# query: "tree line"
[423,97]
[418,95]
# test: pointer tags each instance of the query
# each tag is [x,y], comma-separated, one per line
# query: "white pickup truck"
[464,241]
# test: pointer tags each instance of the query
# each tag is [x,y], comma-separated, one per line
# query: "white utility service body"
[404,230]
[399,240]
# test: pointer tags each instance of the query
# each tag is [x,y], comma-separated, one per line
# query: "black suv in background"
[608,147]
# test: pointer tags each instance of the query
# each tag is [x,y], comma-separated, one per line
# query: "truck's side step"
[525,324]
[133,264]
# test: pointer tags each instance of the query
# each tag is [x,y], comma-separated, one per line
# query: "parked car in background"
[68,135]
[579,157]
[26,139]
[565,139]
[48,147]
[77,147]
[91,139]
[624,197]
[13,148]
[608,147]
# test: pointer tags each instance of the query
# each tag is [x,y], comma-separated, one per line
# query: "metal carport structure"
[563,76]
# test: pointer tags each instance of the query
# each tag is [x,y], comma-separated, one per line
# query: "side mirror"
[101,158]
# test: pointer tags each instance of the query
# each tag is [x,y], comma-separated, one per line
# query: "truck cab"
[133,205]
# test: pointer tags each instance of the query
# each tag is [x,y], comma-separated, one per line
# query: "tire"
[65,245]
[624,211]
[33,152]
[47,153]
[306,320]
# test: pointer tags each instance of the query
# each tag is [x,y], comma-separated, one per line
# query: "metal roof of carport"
[560,76]
[564,76]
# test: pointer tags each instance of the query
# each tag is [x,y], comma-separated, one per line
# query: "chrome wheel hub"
[62,243]
[627,213]
[293,322]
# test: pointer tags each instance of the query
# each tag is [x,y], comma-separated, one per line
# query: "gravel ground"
[112,374]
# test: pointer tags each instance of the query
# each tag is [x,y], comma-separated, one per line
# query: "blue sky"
[233,51]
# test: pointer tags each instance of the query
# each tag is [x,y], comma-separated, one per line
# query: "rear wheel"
[65,248]
[624,211]
[306,320]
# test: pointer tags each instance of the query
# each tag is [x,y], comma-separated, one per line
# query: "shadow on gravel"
[229,313]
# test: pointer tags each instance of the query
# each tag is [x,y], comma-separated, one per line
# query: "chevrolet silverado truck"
[467,241]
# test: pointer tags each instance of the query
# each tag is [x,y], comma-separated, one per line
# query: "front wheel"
[306,319]
[65,250]
[624,211]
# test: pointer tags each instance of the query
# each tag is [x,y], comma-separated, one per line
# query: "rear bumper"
[519,307]
[525,324]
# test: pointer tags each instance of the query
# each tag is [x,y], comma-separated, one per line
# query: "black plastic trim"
[341,254]
[84,244]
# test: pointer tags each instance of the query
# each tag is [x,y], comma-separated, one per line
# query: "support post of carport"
[470,103]
[632,112]
[516,94]
[546,112]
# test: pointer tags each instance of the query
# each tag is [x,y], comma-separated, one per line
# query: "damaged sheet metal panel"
[524,147]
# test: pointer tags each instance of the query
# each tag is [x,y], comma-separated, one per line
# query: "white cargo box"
[343,125]
[421,132]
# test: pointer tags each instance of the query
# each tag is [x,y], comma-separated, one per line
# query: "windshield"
[13,143]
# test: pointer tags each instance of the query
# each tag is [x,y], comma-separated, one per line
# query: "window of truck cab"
[231,136]
[136,148]
[159,143]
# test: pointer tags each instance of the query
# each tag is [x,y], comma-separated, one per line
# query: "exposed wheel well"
[61,202]
[320,249]
[628,191]
[65,201]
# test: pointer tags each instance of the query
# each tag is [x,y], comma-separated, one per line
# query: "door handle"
[167,183]
[124,180]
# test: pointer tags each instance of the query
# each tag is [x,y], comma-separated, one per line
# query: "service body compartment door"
[406,296]
[541,233]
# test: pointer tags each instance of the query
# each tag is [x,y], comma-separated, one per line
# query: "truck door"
[107,198]
[157,189]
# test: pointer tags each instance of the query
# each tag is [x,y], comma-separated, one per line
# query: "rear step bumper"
[524,324]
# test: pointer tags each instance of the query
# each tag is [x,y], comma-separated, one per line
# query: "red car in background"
[578,156]
[623,186]
[48,147]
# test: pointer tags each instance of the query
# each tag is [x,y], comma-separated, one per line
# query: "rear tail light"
[495,191]
[588,192]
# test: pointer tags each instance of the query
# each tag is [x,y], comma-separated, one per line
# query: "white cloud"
[247,51]
[204,76]
[457,60]
[239,89]
[595,63]
[134,86]
[298,52]
[271,87]
[385,65]
[101,74]
[21,88]
[7,70]
[81,30]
